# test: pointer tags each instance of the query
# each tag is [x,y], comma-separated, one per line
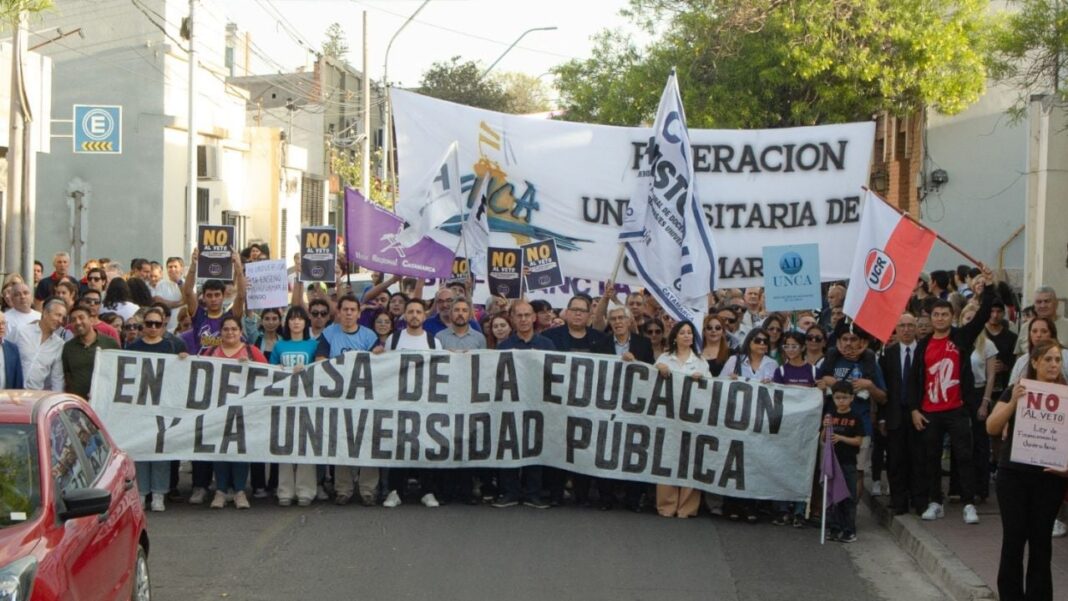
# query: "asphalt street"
[519,554]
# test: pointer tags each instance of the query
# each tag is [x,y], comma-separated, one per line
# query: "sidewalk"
[961,559]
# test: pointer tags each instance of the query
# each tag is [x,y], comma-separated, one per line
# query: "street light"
[509,49]
[386,130]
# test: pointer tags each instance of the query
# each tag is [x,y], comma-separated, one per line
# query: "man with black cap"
[852,361]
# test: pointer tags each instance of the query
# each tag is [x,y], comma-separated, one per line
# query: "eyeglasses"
[153,324]
[738,309]
[132,327]
[650,332]
[760,340]
[94,278]
[730,320]
[774,329]
[319,313]
[714,329]
[790,347]
[814,338]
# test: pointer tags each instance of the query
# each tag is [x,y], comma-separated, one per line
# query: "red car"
[71,522]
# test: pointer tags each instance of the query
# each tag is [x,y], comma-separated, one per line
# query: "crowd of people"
[940,395]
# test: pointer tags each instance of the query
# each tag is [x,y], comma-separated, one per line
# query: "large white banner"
[591,414]
[572,182]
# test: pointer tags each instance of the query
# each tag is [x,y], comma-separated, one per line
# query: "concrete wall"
[1047,199]
[984,202]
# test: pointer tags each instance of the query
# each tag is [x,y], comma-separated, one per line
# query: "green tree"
[349,168]
[1030,51]
[773,63]
[335,45]
[526,94]
[462,82]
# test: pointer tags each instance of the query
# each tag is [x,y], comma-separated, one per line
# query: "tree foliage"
[349,168]
[772,63]
[1030,51]
[461,81]
[335,45]
[10,9]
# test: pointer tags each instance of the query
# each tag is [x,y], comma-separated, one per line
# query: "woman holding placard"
[1028,496]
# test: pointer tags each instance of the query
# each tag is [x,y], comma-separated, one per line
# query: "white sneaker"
[877,489]
[198,496]
[1059,529]
[934,512]
[320,493]
[219,501]
[392,500]
[157,502]
[142,498]
[970,515]
[240,500]
[430,500]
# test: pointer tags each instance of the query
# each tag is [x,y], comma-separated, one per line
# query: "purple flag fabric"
[831,472]
[370,241]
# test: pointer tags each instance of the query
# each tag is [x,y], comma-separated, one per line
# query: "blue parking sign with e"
[97,129]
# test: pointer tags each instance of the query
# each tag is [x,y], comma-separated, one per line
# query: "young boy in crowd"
[847,435]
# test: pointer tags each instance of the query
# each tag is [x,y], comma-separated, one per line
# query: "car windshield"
[20,492]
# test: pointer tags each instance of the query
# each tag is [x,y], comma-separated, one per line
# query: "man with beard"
[79,353]
[941,374]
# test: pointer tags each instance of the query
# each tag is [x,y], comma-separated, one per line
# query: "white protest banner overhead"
[590,414]
[571,182]
[664,232]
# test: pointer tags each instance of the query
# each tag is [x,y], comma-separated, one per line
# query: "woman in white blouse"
[681,356]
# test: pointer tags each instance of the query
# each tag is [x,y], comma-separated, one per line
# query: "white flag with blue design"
[437,199]
[665,232]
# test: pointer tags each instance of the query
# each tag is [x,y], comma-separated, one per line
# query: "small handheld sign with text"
[461,269]
[215,252]
[318,254]
[504,271]
[541,262]
[267,285]
[792,277]
[1040,431]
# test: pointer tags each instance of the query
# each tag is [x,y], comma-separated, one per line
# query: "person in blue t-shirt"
[337,339]
[295,350]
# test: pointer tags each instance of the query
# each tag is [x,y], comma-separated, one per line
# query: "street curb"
[948,572]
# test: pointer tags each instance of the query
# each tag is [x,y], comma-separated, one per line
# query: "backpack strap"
[393,340]
[431,341]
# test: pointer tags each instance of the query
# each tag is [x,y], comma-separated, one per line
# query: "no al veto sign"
[97,129]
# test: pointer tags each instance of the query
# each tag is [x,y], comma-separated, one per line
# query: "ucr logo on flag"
[879,270]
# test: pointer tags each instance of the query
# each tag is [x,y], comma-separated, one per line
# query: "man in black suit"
[628,346]
[905,448]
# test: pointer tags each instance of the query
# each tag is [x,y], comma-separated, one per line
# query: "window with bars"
[203,205]
[284,242]
[235,219]
[311,201]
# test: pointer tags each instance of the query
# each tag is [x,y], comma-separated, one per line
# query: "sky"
[472,29]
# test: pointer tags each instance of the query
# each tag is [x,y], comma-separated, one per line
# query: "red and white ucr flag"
[891,252]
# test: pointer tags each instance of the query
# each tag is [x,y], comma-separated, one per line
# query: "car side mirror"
[81,502]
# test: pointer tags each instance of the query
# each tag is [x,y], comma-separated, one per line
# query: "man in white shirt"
[40,347]
[412,338]
[165,291]
[21,312]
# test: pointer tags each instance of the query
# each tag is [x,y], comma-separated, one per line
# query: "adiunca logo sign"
[879,270]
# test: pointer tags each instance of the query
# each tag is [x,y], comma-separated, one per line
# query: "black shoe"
[799,521]
[751,517]
[537,503]
[505,501]
[847,538]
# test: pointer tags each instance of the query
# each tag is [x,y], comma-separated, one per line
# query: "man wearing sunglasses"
[91,300]
[729,318]
[79,354]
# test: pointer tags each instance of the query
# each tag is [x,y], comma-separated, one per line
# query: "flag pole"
[906,215]
[823,519]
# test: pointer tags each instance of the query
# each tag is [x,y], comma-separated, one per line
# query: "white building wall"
[985,157]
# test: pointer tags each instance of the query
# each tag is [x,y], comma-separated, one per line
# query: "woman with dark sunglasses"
[716,349]
[815,346]
[775,324]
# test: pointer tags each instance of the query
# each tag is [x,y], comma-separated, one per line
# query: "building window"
[284,242]
[203,205]
[235,219]
[311,201]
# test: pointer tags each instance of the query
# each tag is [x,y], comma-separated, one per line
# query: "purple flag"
[370,241]
[831,472]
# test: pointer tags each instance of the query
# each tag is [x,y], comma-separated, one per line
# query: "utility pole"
[14,228]
[191,143]
[387,161]
[365,162]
